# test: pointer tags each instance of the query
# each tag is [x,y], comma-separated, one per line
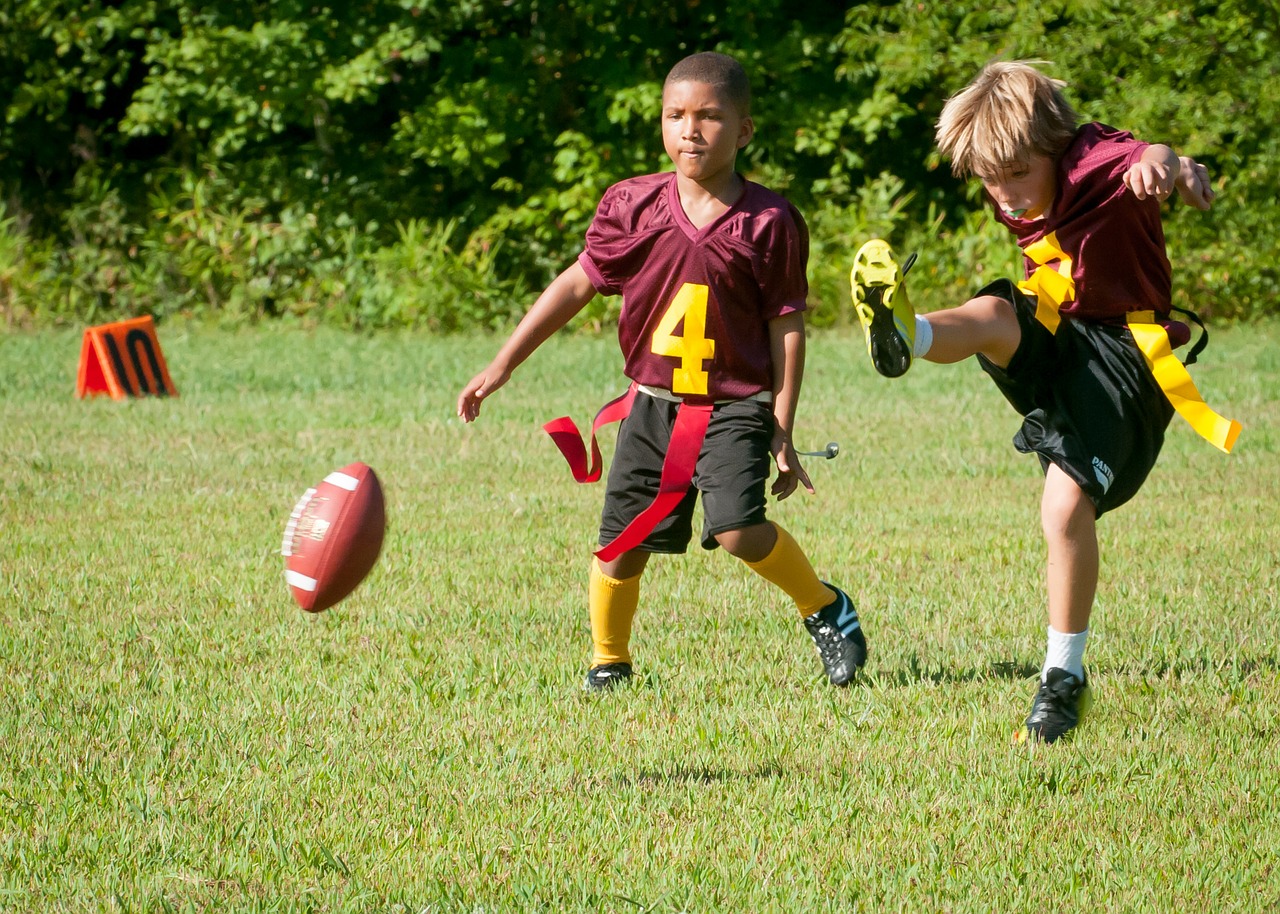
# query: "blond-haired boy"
[1072,345]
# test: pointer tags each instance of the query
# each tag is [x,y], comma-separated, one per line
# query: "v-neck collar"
[686,224]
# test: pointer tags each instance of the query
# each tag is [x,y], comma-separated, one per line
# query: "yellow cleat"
[880,300]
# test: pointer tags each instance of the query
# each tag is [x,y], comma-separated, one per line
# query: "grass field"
[176,735]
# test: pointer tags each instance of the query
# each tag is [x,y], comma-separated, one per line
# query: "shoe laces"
[828,639]
[1054,697]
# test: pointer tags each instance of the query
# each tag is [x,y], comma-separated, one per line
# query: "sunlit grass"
[176,734]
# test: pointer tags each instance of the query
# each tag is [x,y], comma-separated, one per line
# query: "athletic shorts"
[1089,402]
[733,467]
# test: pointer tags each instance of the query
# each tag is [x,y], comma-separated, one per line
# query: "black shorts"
[1089,402]
[733,467]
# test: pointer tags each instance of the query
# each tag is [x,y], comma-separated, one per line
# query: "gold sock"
[789,568]
[612,605]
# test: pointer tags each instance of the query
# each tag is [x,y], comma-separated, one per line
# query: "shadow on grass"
[1227,667]
[696,774]
[915,672]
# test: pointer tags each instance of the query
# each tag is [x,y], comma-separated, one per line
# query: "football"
[333,537]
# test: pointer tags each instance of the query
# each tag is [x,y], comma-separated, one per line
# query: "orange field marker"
[124,360]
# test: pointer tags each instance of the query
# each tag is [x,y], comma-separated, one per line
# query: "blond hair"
[1009,112]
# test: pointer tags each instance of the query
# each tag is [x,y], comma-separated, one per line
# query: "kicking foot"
[880,300]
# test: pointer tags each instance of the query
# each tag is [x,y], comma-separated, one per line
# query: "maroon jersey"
[696,302]
[1107,241]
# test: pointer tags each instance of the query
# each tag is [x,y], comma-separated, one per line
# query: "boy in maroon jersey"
[711,268]
[1073,346]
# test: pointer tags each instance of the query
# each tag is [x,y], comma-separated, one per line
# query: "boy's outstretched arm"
[787,349]
[566,296]
[1160,171]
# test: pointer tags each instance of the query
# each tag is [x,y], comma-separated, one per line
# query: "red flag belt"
[677,467]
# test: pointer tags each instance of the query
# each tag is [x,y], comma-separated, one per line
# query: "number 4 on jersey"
[692,347]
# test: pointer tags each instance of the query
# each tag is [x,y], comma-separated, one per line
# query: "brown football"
[334,536]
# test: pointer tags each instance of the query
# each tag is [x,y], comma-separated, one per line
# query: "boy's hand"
[483,384]
[1193,183]
[790,473]
[1149,179]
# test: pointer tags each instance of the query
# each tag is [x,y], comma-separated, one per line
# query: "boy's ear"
[745,132]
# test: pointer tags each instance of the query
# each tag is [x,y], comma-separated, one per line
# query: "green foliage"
[22,261]
[420,281]
[316,131]
[1201,78]
[879,210]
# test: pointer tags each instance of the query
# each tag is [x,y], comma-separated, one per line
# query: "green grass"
[176,735]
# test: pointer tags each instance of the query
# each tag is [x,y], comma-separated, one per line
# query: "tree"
[256,156]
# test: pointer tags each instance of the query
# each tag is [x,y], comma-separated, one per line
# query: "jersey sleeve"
[1096,170]
[607,243]
[783,273]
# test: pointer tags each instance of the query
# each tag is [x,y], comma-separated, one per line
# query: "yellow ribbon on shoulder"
[1175,381]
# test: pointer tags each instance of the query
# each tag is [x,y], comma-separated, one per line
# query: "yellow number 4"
[692,347]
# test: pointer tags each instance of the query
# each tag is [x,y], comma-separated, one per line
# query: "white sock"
[1066,652]
[924,338]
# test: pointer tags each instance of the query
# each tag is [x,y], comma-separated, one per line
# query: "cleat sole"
[875,276]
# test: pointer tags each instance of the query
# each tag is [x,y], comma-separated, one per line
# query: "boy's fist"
[1149,179]
[1193,183]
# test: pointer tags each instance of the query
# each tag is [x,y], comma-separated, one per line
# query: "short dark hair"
[718,70]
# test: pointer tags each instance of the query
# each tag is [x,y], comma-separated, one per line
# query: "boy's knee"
[751,544]
[1002,319]
[1066,510]
[988,325]
[1000,310]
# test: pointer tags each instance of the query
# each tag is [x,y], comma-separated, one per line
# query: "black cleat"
[837,634]
[607,676]
[1060,703]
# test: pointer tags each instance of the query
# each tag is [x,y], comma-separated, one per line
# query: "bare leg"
[987,325]
[627,565]
[1069,520]
[751,544]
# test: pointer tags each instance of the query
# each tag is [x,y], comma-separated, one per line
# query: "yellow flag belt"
[1052,284]
[1175,381]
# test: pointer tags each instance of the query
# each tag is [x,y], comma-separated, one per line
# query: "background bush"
[413,164]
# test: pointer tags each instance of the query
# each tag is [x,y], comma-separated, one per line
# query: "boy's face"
[702,131]
[1023,190]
